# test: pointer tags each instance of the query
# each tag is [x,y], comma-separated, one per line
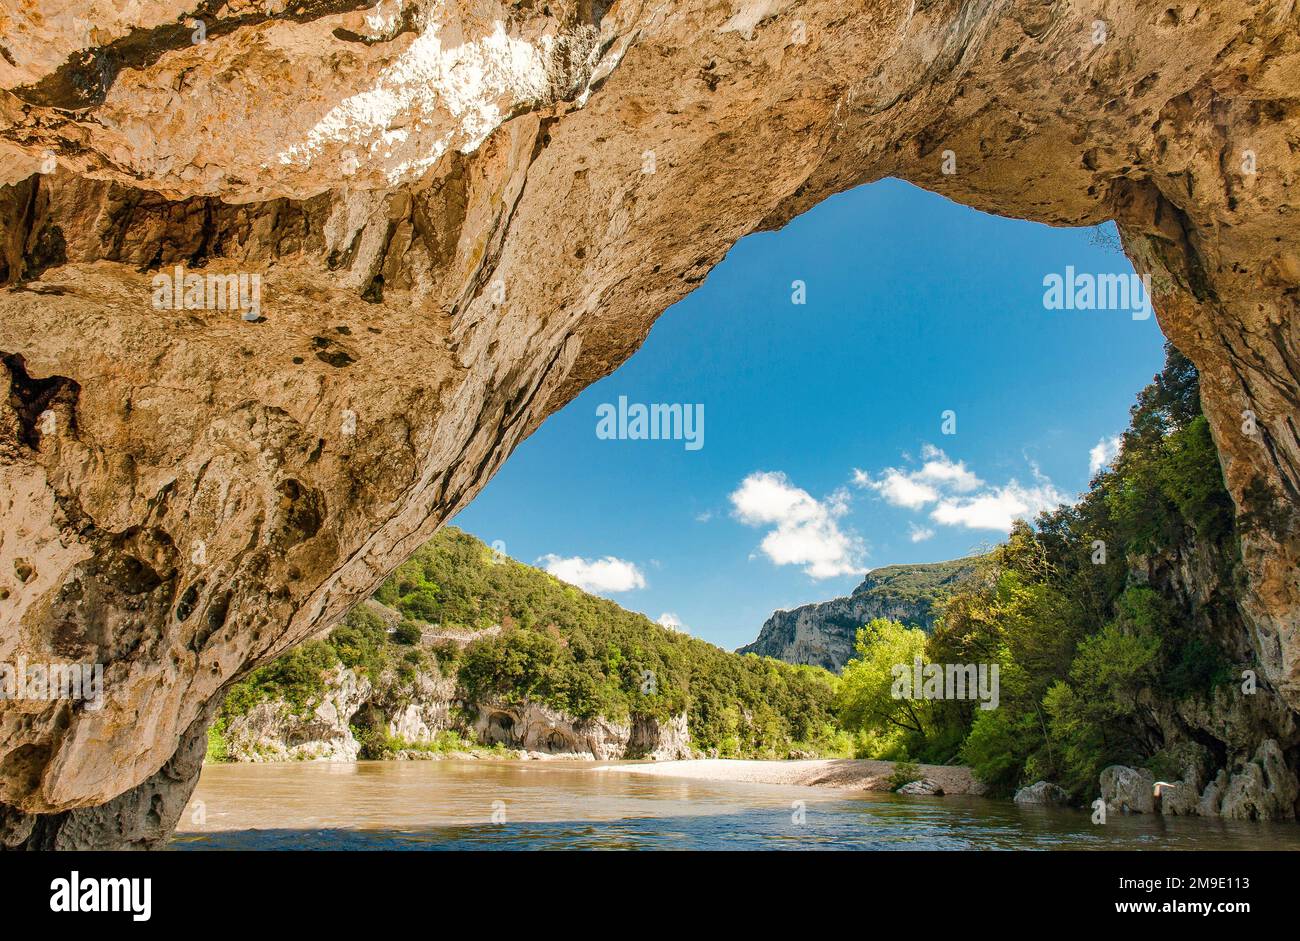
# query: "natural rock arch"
[462,214]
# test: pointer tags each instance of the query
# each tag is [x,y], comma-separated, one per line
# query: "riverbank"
[850,774]
[477,805]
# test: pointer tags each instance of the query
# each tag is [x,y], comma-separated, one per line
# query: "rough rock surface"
[823,634]
[140,818]
[273,731]
[1179,799]
[537,728]
[463,212]
[1264,789]
[1128,790]
[923,788]
[1212,798]
[415,712]
[1045,793]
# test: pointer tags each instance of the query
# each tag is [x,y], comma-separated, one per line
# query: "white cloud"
[1102,453]
[704,517]
[959,496]
[805,531]
[941,470]
[920,533]
[998,507]
[913,489]
[672,622]
[600,576]
[899,488]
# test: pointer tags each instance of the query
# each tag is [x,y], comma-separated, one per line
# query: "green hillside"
[918,584]
[562,647]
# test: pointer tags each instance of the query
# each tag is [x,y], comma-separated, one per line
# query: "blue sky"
[823,447]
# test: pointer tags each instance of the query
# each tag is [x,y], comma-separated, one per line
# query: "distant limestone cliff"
[822,634]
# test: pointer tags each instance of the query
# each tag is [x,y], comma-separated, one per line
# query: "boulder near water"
[1044,793]
[924,787]
[1128,790]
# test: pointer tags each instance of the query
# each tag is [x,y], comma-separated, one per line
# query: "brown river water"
[447,805]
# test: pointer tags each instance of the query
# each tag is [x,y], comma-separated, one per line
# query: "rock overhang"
[464,235]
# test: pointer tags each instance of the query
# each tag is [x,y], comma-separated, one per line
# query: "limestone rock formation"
[461,212]
[534,727]
[1128,790]
[1264,789]
[1043,793]
[922,788]
[1179,799]
[415,712]
[274,731]
[822,634]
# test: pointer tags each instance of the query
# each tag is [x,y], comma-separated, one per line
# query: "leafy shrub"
[421,604]
[298,678]
[408,633]
[905,772]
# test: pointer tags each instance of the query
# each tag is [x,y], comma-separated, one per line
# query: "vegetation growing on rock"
[1113,622]
[1114,625]
[511,634]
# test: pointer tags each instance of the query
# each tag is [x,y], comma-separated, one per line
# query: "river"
[447,805]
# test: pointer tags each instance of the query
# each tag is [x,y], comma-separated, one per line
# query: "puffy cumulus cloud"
[998,507]
[1102,453]
[672,622]
[899,488]
[957,496]
[941,470]
[804,530]
[599,576]
[913,489]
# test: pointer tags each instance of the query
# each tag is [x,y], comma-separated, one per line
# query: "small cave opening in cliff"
[557,742]
[369,726]
[501,729]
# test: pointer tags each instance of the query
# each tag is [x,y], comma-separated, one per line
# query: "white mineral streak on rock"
[752,13]
[369,114]
[453,93]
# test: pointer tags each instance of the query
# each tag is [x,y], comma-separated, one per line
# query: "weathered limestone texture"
[462,212]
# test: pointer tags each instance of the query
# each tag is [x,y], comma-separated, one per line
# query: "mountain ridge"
[822,633]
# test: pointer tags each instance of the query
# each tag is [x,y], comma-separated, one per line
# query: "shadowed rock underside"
[464,212]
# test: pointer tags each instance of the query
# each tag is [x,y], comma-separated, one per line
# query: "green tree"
[871,699]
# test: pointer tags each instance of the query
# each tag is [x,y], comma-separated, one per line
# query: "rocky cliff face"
[536,728]
[1263,788]
[1234,742]
[461,212]
[274,730]
[822,634]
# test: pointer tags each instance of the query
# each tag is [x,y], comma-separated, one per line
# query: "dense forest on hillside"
[563,648]
[1083,614]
